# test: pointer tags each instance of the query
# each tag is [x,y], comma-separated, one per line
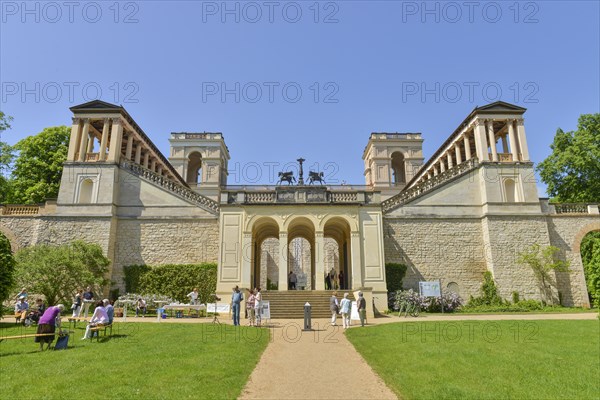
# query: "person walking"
[257,304]
[361,305]
[250,302]
[345,306]
[236,300]
[334,307]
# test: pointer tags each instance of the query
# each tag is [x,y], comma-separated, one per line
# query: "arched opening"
[453,287]
[510,191]
[265,253]
[194,169]
[337,254]
[300,261]
[86,190]
[301,257]
[398,168]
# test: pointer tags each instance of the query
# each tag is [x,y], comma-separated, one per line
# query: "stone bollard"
[307,323]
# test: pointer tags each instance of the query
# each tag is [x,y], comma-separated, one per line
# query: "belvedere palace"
[472,207]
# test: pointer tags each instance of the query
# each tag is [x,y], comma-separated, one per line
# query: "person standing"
[88,298]
[250,302]
[341,278]
[345,307]
[193,295]
[257,305]
[361,305]
[236,300]
[47,325]
[293,279]
[327,281]
[77,300]
[334,307]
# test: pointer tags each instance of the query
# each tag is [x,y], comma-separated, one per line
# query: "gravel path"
[321,364]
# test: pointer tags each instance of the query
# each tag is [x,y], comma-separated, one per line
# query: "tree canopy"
[572,171]
[7,267]
[57,271]
[38,167]
[6,158]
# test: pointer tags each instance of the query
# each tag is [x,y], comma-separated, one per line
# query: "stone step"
[290,304]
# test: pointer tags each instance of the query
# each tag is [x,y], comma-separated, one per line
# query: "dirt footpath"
[313,365]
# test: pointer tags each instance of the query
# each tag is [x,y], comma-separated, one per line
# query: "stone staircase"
[290,304]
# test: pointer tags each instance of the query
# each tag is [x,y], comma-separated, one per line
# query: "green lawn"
[142,360]
[485,359]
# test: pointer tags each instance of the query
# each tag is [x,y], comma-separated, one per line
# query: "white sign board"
[354,312]
[265,310]
[221,308]
[430,289]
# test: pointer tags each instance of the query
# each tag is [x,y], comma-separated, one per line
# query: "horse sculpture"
[315,177]
[286,177]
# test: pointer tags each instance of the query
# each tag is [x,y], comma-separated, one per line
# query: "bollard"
[307,324]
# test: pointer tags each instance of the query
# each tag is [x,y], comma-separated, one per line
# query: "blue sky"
[309,79]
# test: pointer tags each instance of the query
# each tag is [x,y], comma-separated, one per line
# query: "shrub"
[133,274]
[394,274]
[489,293]
[515,297]
[177,280]
[7,268]
[452,301]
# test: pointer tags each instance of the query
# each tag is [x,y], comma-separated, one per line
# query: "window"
[398,168]
[194,170]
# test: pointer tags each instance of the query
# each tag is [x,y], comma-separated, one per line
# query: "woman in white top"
[257,304]
[345,307]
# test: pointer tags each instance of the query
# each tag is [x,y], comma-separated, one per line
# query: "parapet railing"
[428,185]
[297,195]
[572,208]
[172,186]
[19,209]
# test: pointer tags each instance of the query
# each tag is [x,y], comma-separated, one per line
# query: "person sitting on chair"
[98,318]
[140,306]
[21,310]
[110,310]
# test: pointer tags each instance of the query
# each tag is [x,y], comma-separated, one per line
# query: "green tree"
[543,261]
[7,268]
[590,256]
[38,166]
[6,158]
[572,170]
[57,271]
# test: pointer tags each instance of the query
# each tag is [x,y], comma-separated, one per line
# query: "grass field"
[485,359]
[141,360]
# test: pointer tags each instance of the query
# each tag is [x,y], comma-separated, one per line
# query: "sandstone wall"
[437,248]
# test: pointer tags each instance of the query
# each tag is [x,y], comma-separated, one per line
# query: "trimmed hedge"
[394,274]
[173,280]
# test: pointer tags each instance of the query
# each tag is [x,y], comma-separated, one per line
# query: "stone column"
[138,153]
[283,260]
[492,139]
[442,166]
[356,257]
[504,144]
[467,147]
[246,263]
[449,158]
[480,142]
[514,146]
[85,135]
[129,148]
[153,166]
[90,146]
[522,139]
[146,159]
[116,139]
[74,139]
[457,153]
[159,172]
[104,139]
[435,170]
[319,261]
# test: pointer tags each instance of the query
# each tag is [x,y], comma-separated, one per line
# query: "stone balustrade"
[170,185]
[427,185]
[297,194]
[20,210]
